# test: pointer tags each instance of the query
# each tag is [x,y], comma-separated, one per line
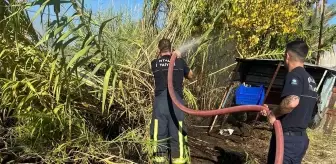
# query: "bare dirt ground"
[249,144]
[245,145]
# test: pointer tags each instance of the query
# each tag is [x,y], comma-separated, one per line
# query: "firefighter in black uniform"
[299,97]
[167,120]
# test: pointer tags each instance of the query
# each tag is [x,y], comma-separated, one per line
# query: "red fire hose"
[243,108]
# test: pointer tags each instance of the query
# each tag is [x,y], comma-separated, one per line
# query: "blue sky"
[333,21]
[135,6]
[132,6]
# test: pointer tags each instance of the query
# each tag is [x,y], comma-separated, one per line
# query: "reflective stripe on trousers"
[158,152]
[167,123]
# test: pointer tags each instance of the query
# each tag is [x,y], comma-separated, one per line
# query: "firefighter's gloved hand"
[177,53]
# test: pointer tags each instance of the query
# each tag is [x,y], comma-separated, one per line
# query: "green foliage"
[59,102]
[83,92]
[250,24]
[311,27]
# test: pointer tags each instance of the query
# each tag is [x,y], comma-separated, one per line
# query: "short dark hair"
[164,45]
[298,48]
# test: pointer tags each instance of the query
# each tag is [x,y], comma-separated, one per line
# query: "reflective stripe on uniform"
[160,159]
[156,129]
[179,161]
[180,140]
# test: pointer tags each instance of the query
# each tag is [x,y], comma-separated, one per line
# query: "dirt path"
[245,145]
[249,144]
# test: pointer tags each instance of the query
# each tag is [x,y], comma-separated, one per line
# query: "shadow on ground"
[230,156]
[223,156]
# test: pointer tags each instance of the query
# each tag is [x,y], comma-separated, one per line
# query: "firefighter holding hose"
[167,120]
[295,111]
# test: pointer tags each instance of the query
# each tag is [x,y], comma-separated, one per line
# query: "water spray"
[185,47]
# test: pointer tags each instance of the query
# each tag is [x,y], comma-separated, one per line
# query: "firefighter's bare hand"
[264,112]
[177,53]
[271,118]
[267,113]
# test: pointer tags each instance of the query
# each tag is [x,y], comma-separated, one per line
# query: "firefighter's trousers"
[167,129]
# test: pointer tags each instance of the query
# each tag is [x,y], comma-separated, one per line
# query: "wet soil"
[248,143]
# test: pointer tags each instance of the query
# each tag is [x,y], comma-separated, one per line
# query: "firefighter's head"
[165,47]
[295,54]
